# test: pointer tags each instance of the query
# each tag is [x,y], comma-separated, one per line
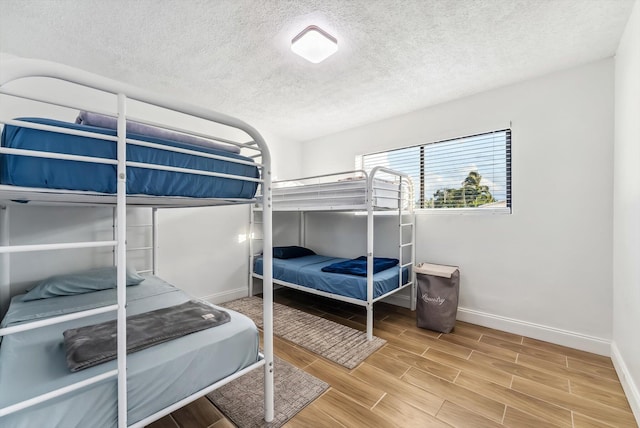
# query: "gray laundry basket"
[437,297]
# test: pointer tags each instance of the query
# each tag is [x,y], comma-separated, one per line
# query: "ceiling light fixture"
[314,44]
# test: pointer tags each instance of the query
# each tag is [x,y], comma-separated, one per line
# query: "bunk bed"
[382,190]
[49,162]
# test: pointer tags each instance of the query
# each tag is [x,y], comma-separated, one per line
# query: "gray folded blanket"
[95,344]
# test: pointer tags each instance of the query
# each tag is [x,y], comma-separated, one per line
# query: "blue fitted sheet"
[33,362]
[63,174]
[307,271]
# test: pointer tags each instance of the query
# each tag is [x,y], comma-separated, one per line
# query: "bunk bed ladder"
[410,223]
[405,208]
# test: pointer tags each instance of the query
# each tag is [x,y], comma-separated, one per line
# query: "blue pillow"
[291,252]
[79,283]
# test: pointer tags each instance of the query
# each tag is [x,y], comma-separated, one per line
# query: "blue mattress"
[63,174]
[33,362]
[307,271]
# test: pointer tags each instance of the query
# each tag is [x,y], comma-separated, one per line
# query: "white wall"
[545,270]
[626,212]
[200,251]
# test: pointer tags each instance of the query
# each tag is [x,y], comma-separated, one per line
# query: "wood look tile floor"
[471,377]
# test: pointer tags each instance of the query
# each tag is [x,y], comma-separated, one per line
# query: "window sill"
[444,211]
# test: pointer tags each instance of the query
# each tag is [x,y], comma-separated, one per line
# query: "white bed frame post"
[5,272]
[412,216]
[252,219]
[154,241]
[267,282]
[302,229]
[370,256]
[121,207]
[400,234]
[414,284]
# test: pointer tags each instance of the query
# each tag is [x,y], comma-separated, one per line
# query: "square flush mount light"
[314,44]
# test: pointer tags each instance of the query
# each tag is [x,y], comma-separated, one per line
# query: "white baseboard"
[227,295]
[398,299]
[546,333]
[524,328]
[629,384]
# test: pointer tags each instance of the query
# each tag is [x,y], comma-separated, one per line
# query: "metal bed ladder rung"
[153,248]
[251,237]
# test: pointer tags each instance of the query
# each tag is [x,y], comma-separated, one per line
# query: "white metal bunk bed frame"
[24,68]
[405,209]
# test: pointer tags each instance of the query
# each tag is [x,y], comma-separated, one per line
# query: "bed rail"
[340,191]
[16,69]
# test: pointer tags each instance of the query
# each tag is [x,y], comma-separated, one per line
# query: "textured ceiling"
[394,57]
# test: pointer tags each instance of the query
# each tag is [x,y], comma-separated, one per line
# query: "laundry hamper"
[437,297]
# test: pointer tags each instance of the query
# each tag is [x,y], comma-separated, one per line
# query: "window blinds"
[467,172]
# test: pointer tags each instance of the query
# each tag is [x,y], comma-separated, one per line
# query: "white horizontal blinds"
[467,172]
[405,160]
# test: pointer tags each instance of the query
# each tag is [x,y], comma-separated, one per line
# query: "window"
[467,172]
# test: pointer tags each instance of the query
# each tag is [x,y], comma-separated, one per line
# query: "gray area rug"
[335,342]
[241,400]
